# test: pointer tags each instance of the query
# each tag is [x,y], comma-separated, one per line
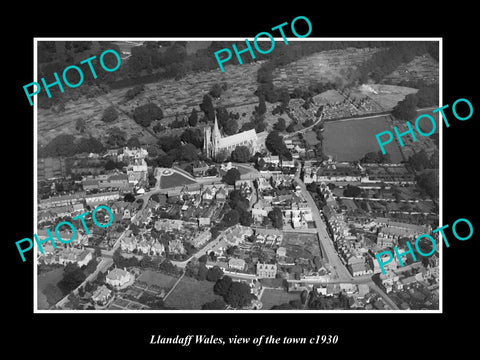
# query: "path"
[174,286]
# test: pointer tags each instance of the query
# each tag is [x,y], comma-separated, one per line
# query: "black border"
[360,334]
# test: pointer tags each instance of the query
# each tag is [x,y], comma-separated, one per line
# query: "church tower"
[216,136]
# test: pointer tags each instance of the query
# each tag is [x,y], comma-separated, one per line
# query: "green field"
[349,140]
[174,180]
[157,278]
[47,291]
[271,297]
[191,294]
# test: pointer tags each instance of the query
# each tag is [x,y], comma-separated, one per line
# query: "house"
[72,255]
[221,194]
[128,243]
[208,195]
[157,248]
[102,197]
[268,271]
[201,239]
[176,247]
[101,295]
[203,221]
[281,251]
[118,277]
[237,264]
[359,269]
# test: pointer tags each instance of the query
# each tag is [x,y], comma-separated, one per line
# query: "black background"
[365,334]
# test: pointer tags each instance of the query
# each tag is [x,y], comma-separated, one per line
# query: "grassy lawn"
[271,297]
[157,278]
[351,139]
[174,180]
[191,294]
[47,291]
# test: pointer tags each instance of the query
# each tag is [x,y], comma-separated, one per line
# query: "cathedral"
[214,143]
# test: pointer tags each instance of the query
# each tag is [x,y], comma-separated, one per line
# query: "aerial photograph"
[164,184]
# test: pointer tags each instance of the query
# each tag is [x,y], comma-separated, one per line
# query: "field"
[47,291]
[271,297]
[156,278]
[191,294]
[386,96]
[422,67]
[301,245]
[350,140]
[174,180]
[326,66]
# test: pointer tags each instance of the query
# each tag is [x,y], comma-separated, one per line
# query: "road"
[327,243]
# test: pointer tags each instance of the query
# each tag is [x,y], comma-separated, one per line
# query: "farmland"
[325,66]
[350,140]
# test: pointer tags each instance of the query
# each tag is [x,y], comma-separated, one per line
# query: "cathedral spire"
[216,130]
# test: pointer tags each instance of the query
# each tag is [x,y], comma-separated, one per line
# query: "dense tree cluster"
[131,93]
[429,182]
[235,293]
[231,176]
[275,144]
[276,216]
[376,157]
[73,276]
[145,114]
[241,154]
[65,145]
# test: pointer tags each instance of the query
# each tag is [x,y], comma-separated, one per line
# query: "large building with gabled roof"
[214,143]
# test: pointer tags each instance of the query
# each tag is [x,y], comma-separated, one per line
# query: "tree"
[352,191]
[61,145]
[72,277]
[116,137]
[262,107]
[203,259]
[241,154]
[231,176]
[275,144]
[193,118]
[133,142]
[280,125]
[222,285]
[145,114]
[97,252]
[428,181]
[131,93]
[214,274]
[222,117]
[193,136]
[238,295]
[129,197]
[217,304]
[207,107]
[277,217]
[188,152]
[91,266]
[89,145]
[230,127]
[109,114]
[80,125]
[407,108]
[216,90]
[202,272]
[231,218]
